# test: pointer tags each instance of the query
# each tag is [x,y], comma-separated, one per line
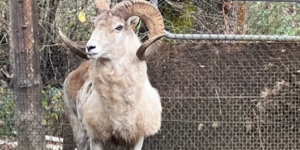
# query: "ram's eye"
[119,27]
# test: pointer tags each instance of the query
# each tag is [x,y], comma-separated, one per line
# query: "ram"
[109,98]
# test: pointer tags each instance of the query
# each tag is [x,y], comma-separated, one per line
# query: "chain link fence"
[228,74]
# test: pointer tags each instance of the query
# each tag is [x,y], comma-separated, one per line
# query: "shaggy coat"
[112,99]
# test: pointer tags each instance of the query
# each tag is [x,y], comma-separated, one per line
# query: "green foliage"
[273,18]
[53,107]
[180,21]
[68,21]
[6,110]
[52,104]
[3,7]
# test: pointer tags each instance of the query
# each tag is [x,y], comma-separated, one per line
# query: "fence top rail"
[232,37]
[271,0]
[249,37]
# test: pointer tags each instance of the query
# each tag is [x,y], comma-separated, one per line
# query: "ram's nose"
[88,48]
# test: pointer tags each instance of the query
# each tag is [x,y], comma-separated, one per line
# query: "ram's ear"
[133,22]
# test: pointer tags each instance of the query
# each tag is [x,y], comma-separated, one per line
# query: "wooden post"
[25,62]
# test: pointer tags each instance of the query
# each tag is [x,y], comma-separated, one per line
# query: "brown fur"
[72,85]
[77,79]
[136,121]
[115,101]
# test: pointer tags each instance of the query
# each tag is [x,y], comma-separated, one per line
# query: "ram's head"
[113,25]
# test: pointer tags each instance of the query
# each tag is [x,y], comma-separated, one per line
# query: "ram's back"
[72,85]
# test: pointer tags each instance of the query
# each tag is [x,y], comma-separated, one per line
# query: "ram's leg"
[82,138]
[96,145]
[79,132]
[138,145]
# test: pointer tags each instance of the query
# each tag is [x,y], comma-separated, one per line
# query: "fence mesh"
[215,94]
[229,96]
[232,17]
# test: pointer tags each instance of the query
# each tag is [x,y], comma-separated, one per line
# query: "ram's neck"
[120,80]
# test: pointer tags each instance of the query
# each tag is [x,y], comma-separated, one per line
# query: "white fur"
[121,104]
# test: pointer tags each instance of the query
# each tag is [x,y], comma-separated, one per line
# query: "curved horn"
[150,15]
[76,48]
[102,6]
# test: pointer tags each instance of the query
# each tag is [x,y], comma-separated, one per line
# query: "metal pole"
[155,3]
[231,37]
[271,0]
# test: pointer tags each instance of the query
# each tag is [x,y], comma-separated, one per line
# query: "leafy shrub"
[53,108]
[6,110]
[273,18]
[52,105]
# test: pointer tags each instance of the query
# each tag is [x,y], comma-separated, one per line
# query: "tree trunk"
[241,18]
[27,84]
[229,14]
